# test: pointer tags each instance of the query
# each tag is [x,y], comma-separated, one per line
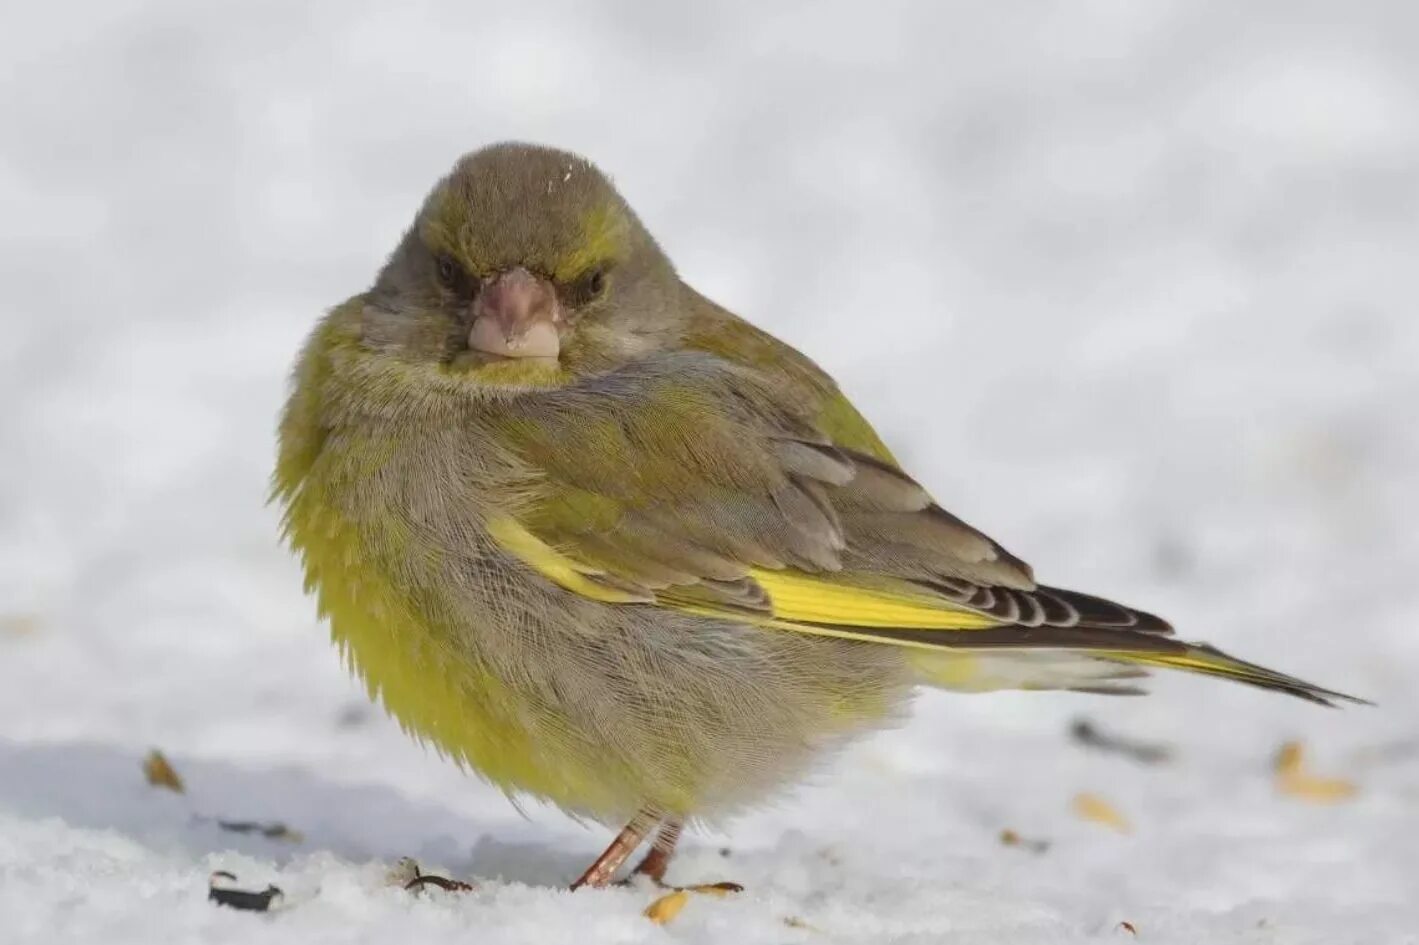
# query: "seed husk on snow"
[245,900]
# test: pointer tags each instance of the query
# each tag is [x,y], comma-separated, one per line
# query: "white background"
[1129,284]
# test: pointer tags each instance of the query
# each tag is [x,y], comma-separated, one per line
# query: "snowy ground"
[1138,282]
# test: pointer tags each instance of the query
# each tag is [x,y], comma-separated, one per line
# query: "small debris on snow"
[1095,808]
[442,882]
[1010,838]
[1086,733]
[274,830]
[667,907]
[19,625]
[160,773]
[244,899]
[402,873]
[717,890]
[1292,779]
[794,922]
[407,874]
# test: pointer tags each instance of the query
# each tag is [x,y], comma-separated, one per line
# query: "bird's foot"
[653,866]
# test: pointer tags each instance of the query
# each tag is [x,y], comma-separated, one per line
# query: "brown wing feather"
[700,471]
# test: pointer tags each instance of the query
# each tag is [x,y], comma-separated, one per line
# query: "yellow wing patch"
[555,566]
[795,597]
[855,602]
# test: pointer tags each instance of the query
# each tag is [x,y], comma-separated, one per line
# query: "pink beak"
[516,315]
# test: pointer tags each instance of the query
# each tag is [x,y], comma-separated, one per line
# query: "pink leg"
[600,873]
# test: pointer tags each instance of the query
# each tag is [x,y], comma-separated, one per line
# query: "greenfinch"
[604,542]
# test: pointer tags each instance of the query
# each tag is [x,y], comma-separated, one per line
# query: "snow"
[1131,285]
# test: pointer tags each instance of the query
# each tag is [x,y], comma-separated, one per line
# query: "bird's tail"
[1107,662]
[1210,661]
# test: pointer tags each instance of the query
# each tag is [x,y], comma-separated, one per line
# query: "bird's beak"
[516,315]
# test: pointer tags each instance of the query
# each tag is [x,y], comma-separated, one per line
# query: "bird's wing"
[690,483]
[700,482]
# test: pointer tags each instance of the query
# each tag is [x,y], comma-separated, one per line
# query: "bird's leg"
[599,874]
[655,862]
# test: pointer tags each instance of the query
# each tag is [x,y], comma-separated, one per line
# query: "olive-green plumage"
[665,569]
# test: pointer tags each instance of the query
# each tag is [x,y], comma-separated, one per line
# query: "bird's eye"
[448,271]
[454,278]
[589,287]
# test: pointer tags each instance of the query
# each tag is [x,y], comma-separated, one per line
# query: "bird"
[603,542]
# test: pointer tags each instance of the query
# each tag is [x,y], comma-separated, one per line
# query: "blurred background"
[1131,285]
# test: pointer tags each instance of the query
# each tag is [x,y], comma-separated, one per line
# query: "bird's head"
[523,267]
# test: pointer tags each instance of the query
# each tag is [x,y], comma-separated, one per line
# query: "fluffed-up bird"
[606,543]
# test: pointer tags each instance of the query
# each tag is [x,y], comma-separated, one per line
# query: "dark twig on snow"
[1084,732]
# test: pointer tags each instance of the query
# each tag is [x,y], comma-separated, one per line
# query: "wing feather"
[710,488]
[724,498]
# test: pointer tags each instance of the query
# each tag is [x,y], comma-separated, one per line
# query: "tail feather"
[1210,661]
[1080,658]
[969,670]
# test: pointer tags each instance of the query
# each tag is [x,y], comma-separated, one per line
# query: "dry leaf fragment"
[1128,927]
[1095,808]
[1293,779]
[160,773]
[667,906]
